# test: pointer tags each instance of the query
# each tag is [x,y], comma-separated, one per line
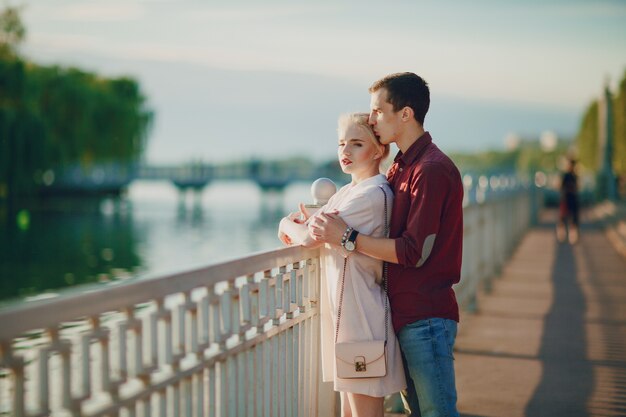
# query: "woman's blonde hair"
[362,120]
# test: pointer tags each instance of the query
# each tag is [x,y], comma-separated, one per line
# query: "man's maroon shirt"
[427,225]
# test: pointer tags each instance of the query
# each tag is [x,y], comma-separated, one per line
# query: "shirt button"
[401,169]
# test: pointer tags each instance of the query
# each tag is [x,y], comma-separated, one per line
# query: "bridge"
[542,333]
[113,178]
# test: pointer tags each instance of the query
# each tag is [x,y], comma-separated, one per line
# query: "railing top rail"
[92,300]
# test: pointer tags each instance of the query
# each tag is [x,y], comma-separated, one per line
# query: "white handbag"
[362,359]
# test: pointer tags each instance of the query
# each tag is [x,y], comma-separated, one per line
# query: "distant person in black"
[568,208]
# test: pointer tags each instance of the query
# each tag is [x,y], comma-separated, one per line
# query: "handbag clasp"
[360,364]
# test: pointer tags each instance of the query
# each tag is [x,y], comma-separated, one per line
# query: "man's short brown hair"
[406,89]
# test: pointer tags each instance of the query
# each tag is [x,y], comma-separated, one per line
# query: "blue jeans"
[429,367]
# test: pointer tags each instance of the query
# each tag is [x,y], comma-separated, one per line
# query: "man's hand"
[327,228]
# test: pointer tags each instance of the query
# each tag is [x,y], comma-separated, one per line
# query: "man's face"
[384,120]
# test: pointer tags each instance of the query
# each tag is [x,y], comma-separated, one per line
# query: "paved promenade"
[549,340]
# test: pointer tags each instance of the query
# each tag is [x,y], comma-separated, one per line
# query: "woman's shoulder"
[374,185]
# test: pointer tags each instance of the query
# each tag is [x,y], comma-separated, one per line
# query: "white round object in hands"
[322,190]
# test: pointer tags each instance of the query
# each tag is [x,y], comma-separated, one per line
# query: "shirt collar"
[376,179]
[415,150]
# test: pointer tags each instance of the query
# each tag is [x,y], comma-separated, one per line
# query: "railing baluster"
[231,364]
[295,397]
[246,303]
[146,405]
[235,319]
[154,341]
[280,294]
[122,352]
[226,315]
[212,400]
[65,350]
[205,325]
[251,380]
[242,384]
[187,386]
[86,362]
[288,371]
[305,366]
[274,411]
[199,386]
[223,404]
[44,402]
[166,319]
[162,403]
[180,346]
[264,301]
[175,390]
[15,379]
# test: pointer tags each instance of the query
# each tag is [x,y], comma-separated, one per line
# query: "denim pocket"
[424,340]
[450,328]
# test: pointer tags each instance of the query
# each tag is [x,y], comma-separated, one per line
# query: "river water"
[147,233]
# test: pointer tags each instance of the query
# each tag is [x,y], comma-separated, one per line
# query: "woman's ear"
[379,153]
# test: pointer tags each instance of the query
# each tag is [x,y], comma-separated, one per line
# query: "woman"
[361,204]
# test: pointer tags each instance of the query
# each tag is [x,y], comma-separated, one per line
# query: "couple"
[422,253]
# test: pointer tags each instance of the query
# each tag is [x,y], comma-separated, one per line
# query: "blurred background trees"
[52,117]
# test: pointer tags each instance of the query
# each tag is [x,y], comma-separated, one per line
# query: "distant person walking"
[568,207]
[424,247]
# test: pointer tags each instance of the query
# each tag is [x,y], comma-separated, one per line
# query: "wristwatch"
[350,243]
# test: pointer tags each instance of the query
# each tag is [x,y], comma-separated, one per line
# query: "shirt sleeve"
[429,189]
[358,212]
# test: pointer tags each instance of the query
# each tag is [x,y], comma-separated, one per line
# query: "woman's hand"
[304,212]
[285,238]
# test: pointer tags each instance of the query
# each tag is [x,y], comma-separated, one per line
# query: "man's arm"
[329,228]
[377,247]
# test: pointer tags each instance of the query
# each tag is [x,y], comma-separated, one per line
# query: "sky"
[233,80]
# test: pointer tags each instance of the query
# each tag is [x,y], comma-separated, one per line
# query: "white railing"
[491,231]
[235,339]
[239,338]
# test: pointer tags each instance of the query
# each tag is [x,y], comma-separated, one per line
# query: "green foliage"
[587,139]
[526,159]
[12,31]
[52,117]
[588,136]
[619,149]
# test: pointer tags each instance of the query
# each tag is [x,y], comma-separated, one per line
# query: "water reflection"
[145,234]
[70,243]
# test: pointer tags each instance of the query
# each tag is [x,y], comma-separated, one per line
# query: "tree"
[53,117]
[12,31]
[619,158]
[587,139]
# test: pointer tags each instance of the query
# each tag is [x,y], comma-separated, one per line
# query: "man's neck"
[409,137]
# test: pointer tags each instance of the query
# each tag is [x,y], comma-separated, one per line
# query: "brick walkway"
[549,340]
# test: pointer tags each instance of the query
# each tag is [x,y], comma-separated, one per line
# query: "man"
[568,206]
[424,247]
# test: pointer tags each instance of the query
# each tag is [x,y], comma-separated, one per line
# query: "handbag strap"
[384,286]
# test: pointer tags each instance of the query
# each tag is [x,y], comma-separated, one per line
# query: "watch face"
[350,246]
